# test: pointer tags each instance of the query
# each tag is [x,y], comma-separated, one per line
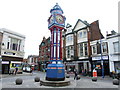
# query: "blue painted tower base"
[55,72]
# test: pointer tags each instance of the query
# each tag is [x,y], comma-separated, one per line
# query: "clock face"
[59,19]
[51,19]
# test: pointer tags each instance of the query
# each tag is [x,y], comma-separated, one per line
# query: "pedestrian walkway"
[84,82]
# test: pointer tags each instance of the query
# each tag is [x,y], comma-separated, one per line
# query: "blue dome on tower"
[56,8]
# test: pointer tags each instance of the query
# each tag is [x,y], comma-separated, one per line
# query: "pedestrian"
[31,70]
[75,72]
[16,69]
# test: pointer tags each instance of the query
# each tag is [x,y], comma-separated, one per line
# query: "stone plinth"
[44,82]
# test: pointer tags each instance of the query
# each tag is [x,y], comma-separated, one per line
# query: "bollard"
[78,77]
[18,81]
[94,78]
[115,82]
[36,79]
[67,76]
[94,73]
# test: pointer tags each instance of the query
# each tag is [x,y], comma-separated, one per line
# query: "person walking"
[16,69]
[75,72]
[31,71]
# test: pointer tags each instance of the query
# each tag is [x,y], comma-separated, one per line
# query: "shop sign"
[99,58]
[5,62]
[15,62]
[70,63]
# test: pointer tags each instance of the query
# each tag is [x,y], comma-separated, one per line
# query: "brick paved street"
[8,81]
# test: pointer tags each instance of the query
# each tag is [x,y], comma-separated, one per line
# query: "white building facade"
[100,56]
[114,52]
[12,49]
[69,48]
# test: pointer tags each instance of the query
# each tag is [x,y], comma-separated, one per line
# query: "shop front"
[70,66]
[10,62]
[97,64]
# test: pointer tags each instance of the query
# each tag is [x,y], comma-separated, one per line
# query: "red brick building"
[44,53]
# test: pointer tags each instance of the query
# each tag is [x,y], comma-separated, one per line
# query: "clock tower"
[56,23]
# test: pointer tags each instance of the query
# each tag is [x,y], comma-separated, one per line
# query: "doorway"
[5,68]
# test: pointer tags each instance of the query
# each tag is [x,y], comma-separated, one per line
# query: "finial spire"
[56,7]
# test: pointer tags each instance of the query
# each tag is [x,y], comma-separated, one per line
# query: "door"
[80,67]
[5,68]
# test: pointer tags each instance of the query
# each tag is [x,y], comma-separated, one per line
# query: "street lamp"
[100,46]
[102,59]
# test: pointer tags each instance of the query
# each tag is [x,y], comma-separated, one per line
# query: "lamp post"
[102,59]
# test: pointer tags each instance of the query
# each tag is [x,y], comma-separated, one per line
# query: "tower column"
[55,70]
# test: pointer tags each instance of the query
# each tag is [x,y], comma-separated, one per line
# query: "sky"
[29,17]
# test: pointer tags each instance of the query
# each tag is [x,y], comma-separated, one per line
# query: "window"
[68,52]
[81,49]
[19,45]
[85,48]
[69,38]
[43,43]
[98,49]
[84,34]
[94,49]
[80,34]
[115,45]
[104,47]
[8,45]
[72,51]
[13,44]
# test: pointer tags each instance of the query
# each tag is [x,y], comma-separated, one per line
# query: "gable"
[79,25]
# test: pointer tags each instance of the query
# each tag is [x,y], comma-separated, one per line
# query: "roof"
[56,7]
[2,30]
[84,22]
